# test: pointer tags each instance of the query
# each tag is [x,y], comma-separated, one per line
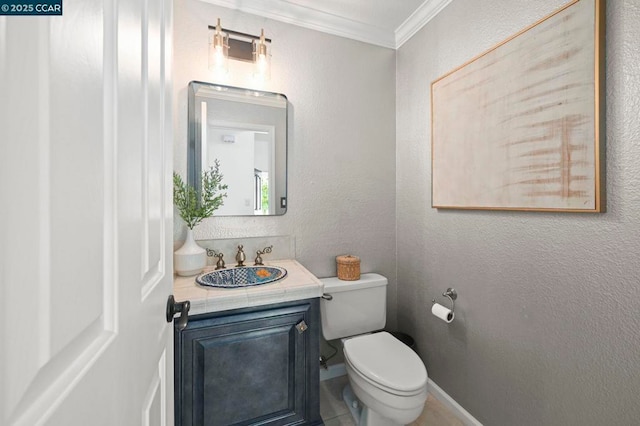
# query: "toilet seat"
[386,363]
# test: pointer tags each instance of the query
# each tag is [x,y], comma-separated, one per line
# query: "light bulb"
[219,51]
[262,67]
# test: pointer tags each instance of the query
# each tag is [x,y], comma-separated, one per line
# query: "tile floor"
[334,411]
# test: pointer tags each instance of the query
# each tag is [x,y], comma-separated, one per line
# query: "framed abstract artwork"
[521,126]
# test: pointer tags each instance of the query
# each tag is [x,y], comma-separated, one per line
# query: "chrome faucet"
[240,256]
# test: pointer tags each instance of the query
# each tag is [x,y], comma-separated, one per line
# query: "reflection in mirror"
[246,130]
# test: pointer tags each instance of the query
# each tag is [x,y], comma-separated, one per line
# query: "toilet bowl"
[387,380]
[387,377]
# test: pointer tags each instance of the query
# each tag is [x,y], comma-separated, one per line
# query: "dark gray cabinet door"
[249,366]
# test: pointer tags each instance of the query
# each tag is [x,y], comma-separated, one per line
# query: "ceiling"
[387,23]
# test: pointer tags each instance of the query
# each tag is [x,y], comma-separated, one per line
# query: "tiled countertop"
[298,284]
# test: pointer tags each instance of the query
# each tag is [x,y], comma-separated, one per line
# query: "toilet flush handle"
[327,296]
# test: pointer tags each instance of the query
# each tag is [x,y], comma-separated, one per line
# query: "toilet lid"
[385,360]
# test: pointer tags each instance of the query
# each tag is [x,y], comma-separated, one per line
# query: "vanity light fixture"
[218,50]
[241,47]
[261,58]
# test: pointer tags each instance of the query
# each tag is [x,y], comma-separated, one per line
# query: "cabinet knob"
[302,327]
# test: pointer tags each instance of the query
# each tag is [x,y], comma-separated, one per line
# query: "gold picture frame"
[521,126]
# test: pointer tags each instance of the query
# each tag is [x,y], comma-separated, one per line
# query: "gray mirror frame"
[194,146]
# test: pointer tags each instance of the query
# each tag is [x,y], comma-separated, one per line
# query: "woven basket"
[348,267]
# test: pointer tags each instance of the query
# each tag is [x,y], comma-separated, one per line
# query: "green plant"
[194,207]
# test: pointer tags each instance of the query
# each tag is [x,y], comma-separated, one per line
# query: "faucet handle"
[219,256]
[220,262]
[259,254]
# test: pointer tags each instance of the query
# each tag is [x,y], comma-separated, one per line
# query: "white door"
[86,215]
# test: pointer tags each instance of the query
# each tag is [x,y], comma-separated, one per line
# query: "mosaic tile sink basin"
[242,277]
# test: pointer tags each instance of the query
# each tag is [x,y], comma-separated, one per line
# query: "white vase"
[189,259]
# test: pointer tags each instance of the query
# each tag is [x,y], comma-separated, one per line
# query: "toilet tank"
[356,307]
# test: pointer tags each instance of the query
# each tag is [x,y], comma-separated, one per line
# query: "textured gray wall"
[547,320]
[342,139]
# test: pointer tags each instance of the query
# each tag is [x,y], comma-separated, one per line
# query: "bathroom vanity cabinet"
[256,365]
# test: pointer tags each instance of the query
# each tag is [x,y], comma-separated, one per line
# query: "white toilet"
[388,379]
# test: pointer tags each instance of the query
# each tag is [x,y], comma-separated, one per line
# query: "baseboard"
[332,372]
[451,404]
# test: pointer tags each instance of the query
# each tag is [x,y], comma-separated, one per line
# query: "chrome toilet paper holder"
[452,295]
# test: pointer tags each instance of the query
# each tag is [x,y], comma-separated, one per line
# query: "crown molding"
[423,14]
[318,20]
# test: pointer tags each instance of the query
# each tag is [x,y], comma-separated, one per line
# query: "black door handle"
[174,307]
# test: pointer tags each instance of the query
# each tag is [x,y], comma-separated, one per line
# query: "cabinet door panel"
[231,382]
[248,367]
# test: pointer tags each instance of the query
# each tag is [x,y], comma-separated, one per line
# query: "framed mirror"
[246,131]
